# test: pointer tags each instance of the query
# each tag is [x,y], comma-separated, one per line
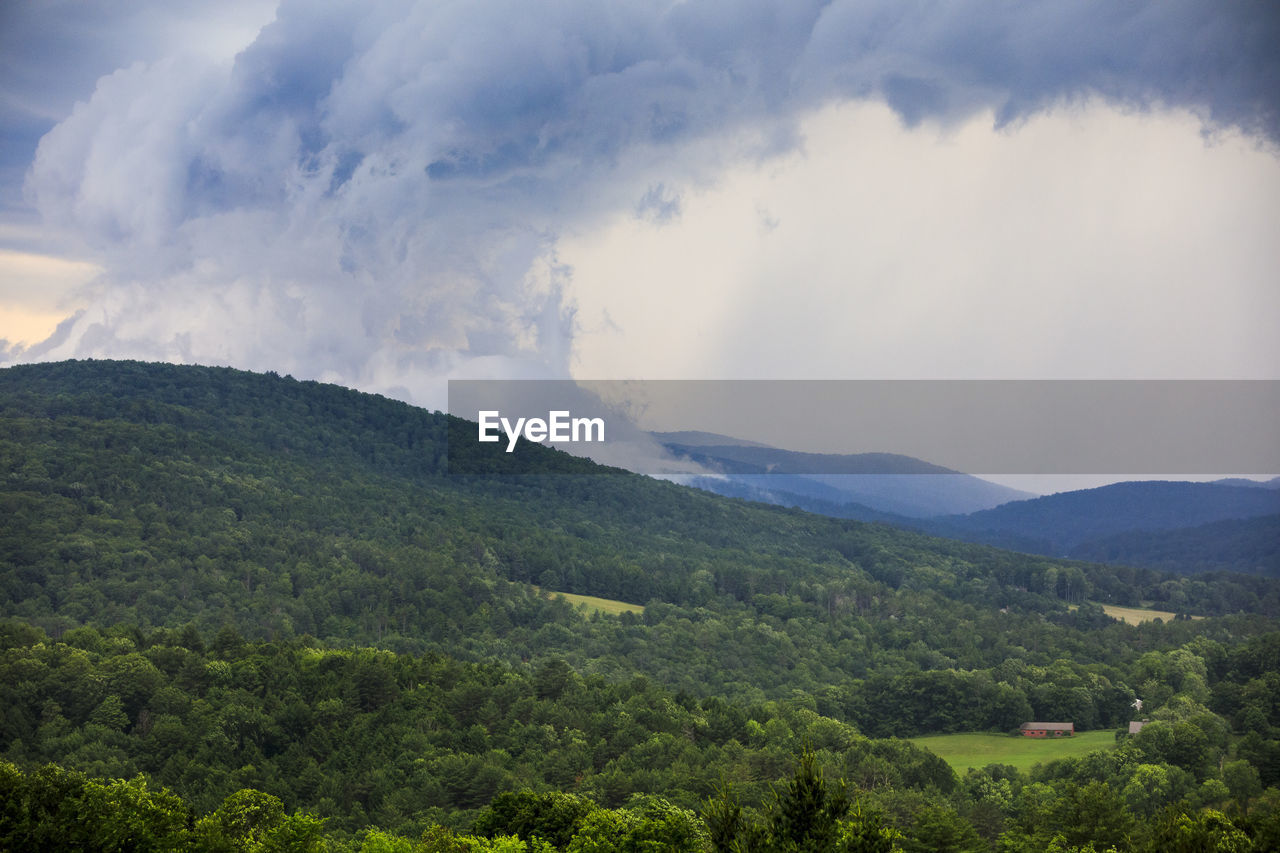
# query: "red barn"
[1048,729]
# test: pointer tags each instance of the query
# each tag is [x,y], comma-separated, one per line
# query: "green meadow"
[1138,615]
[976,749]
[1135,615]
[594,604]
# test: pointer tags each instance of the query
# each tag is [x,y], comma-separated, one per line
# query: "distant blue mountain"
[1249,545]
[864,486]
[1230,524]
[1273,483]
[1062,524]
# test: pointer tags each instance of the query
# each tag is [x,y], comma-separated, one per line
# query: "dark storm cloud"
[1216,59]
[372,189]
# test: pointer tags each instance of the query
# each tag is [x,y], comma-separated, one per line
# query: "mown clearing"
[593,604]
[1136,615]
[978,749]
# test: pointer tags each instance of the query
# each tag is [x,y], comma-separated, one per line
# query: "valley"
[241,585]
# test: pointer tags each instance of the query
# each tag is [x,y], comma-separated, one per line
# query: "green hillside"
[160,495]
[1242,545]
[259,582]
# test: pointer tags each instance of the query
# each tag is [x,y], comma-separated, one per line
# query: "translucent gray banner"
[1132,427]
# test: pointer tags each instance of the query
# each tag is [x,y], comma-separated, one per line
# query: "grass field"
[963,751]
[1136,615]
[593,604]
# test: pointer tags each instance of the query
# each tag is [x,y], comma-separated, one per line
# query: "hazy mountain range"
[1233,523]
[867,486]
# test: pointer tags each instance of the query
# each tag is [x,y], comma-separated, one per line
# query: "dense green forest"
[423,744]
[1238,545]
[222,585]
[1176,526]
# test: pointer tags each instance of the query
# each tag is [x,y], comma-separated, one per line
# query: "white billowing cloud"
[373,193]
[51,54]
[114,171]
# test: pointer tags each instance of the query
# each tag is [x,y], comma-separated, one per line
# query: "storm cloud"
[372,192]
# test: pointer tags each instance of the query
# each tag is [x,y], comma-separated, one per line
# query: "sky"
[389,193]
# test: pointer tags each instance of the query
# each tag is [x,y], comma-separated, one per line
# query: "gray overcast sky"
[386,194]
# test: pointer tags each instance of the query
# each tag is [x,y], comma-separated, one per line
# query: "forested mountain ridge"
[1235,544]
[161,495]
[1079,523]
[149,506]
[1152,524]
